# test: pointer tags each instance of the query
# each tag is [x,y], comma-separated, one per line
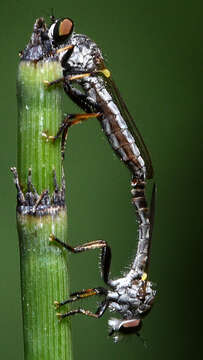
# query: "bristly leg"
[105,264]
[99,312]
[54,82]
[97,244]
[79,295]
[69,120]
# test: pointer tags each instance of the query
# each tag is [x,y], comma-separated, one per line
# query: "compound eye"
[131,323]
[131,326]
[62,29]
[65,27]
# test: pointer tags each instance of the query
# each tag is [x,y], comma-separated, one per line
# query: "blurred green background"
[154,50]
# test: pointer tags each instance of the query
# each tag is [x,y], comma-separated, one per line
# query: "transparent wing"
[112,88]
[151,219]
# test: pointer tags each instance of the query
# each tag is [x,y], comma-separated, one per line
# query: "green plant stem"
[43,266]
[40,111]
[43,280]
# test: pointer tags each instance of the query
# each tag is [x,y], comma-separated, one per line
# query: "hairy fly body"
[83,64]
[131,296]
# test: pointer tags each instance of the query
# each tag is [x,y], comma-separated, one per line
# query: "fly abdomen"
[122,142]
[140,203]
[139,200]
[115,127]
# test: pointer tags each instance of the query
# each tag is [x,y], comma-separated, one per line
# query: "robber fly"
[131,296]
[83,64]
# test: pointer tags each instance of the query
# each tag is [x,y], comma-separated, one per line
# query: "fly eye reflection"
[61,30]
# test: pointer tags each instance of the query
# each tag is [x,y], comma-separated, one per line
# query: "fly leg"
[98,244]
[105,72]
[105,264]
[69,51]
[63,78]
[82,100]
[81,295]
[99,312]
[54,82]
[71,77]
[69,120]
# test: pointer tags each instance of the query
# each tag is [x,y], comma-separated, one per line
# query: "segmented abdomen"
[116,128]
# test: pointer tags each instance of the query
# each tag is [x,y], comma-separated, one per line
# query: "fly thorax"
[133,292]
[115,307]
[120,284]
[85,54]
[79,60]
[112,295]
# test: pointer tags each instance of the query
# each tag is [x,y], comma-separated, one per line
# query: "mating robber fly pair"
[82,62]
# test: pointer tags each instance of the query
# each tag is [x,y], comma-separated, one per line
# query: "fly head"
[120,328]
[60,31]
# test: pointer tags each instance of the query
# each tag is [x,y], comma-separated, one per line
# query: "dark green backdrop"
[154,49]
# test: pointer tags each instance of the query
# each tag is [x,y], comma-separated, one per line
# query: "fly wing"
[151,220]
[131,124]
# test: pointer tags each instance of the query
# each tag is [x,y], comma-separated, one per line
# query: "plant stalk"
[41,206]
